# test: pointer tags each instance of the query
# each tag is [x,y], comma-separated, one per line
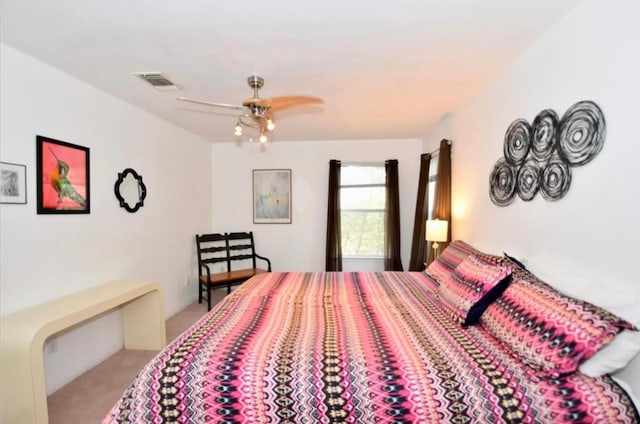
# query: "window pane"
[433,174]
[362,233]
[362,174]
[432,197]
[362,198]
[362,227]
[433,167]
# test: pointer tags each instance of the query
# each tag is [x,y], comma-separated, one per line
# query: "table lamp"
[436,231]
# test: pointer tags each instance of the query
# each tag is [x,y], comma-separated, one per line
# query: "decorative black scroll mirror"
[130,190]
[539,157]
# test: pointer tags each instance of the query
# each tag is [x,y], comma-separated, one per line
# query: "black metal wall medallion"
[529,179]
[544,135]
[539,157]
[503,183]
[582,132]
[517,142]
[556,179]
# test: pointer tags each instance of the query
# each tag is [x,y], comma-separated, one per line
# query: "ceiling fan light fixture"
[270,124]
[263,138]
[238,129]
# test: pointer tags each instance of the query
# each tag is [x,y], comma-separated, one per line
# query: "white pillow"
[614,356]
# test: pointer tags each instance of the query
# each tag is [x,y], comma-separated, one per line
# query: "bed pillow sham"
[514,260]
[471,287]
[442,267]
[447,261]
[551,332]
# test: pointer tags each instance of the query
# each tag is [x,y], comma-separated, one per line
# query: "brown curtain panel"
[442,198]
[418,243]
[334,234]
[392,261]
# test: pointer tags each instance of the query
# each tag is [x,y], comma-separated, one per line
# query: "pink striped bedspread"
[351,348]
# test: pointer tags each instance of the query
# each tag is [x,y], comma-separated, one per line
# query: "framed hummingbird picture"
[62,177]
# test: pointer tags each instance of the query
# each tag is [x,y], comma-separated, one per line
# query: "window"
[362,208]
[431,188]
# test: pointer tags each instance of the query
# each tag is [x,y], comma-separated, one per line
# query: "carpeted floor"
[88,398]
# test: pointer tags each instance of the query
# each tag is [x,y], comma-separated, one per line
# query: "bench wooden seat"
[236,276]
[226,259]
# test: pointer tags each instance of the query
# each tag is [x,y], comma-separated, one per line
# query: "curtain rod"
[433,152]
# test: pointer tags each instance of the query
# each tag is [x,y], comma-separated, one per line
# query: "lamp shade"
[437,230]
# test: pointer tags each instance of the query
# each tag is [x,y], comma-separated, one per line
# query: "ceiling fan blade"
[283,102]
[204,102]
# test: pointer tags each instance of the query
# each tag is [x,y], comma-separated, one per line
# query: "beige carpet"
[88,398]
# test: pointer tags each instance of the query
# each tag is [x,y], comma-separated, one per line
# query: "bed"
[388,347]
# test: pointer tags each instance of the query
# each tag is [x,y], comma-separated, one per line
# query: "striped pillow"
[550,332]
[442,267]
[471,288]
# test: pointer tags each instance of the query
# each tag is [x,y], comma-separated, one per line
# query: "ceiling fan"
[257,111]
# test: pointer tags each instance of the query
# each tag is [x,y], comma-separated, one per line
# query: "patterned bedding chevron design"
[352,347]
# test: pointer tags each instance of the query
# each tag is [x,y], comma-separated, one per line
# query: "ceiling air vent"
[157,80]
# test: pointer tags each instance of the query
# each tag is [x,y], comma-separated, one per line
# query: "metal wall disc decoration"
[556,179]
[502,183]
[539,157]
[544,132]
[528,182]
[582,132]
[517,141]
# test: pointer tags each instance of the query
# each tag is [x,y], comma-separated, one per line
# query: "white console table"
[23,397]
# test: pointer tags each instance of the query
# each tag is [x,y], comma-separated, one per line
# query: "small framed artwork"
[13,183]
[272,196]
[62,177]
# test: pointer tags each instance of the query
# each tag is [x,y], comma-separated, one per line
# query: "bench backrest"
[241,247]
[228,248]
[212,249]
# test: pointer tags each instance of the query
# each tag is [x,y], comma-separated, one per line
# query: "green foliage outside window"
[362,205]
[362,233]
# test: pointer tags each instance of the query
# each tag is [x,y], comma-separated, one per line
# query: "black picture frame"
[13,183]
[62,177]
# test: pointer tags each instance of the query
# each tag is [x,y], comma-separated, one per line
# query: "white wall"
[300,246]
[44,257]
[587,243]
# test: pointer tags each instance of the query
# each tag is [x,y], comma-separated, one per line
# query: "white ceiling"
[386,69]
